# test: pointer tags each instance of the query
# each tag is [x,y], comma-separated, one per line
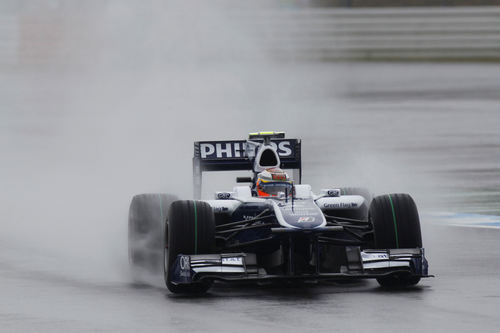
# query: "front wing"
[361,264]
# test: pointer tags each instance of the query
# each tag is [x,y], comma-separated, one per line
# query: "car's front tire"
[190,229]
[396,224]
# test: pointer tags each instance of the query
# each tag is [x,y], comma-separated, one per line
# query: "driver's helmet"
[271,182]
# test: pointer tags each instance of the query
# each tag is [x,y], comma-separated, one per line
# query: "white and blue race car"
[336,234]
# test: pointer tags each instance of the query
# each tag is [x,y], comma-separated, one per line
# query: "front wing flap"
[243,266]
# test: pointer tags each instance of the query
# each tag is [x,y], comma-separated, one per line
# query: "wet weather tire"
[364,192]
[190,230]
[396,224]
[362,212]
[146,221]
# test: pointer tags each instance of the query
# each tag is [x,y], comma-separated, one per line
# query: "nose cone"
[303,214]
[304,222]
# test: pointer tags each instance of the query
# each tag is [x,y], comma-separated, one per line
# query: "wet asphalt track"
[464,297]
[441,121]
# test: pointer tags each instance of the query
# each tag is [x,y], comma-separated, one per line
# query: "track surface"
[463,297]
[62,244]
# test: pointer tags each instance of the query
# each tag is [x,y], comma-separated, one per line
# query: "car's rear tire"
[362,212]
[396,224]
[364,192]
[190,230]
[146,220]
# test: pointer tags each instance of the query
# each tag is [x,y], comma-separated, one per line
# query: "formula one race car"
[273,229]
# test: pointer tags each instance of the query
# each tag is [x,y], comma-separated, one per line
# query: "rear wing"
[237,155]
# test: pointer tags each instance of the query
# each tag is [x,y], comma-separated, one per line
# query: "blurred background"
[102,99]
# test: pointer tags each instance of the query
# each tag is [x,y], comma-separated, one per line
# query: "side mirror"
[334,192]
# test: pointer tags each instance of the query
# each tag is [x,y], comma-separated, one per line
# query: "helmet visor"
[273,188]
